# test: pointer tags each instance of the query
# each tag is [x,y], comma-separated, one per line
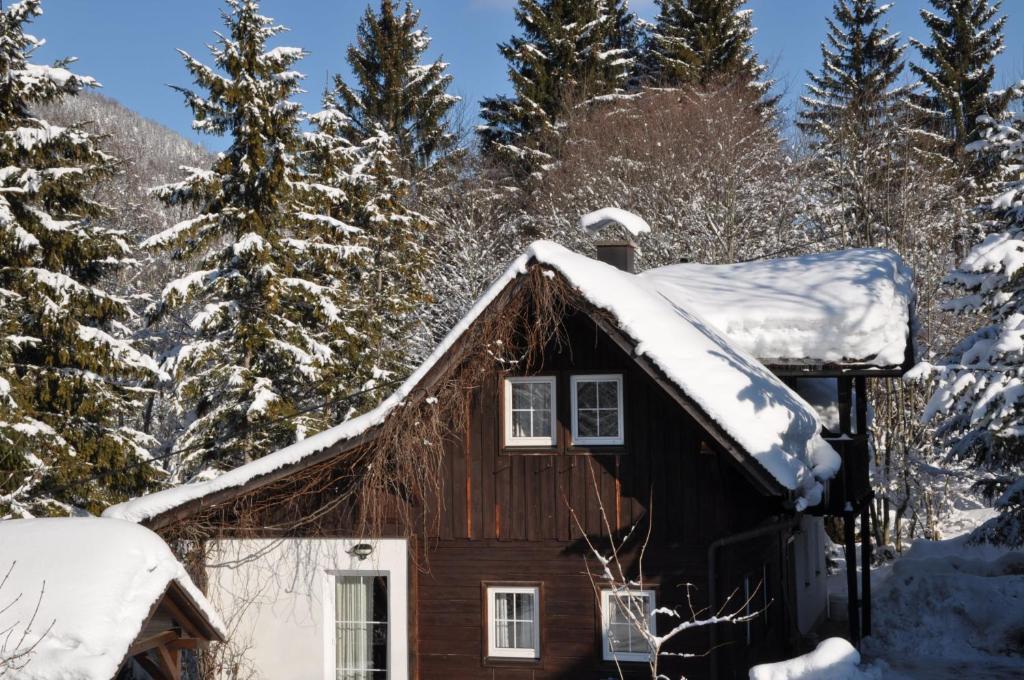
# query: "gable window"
[597,409]
[530,411]
[513,622]
[361,620]
[626,616]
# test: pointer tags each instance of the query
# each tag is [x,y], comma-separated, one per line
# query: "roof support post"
[852,604]
[865,561]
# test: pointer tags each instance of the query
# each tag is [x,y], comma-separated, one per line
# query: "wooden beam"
[852,606]
[143,646]
[187,643]
[171,661]
[155,671]
[865,560]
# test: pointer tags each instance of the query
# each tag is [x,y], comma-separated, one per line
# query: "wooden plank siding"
[505,516]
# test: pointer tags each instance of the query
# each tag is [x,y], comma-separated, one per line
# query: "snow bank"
[833,659]
[98,578]
[847,306]
[950,602]
[767,419]
[599,219]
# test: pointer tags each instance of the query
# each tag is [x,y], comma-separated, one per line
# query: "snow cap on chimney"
[620,252]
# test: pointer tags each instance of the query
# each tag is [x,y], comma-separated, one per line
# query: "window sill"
[529,451]
[511,662]
[597,450]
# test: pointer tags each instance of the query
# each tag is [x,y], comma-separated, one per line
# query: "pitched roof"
[95,582]
[750,405]
[846,308]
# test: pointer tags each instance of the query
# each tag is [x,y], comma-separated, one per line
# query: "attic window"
[530,411]
[597,410]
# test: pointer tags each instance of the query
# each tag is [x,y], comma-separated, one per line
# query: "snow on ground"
[94,581]
[833,659]
[951,610]
[852,305]
[752,406]
[944,609]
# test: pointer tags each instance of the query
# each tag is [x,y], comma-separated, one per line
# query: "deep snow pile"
[852,305]
[94,580]
[951,603]
[754,407]
[833,659]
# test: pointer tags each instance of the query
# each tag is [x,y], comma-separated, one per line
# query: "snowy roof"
[846,307]
[754,408]
[95,582]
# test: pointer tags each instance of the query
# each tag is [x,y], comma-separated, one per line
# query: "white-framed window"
[597,409]
[530,411]
[361,618]
[513,622]
[623,613]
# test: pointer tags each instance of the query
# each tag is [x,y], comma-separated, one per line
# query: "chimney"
[618,252]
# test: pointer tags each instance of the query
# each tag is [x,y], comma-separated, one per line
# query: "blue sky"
[129,45]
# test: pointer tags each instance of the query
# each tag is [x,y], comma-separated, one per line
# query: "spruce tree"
[979,400]
[360,185]
[965,38]
[698,41]
[69,380]
[267,294]
[394,91]
[855,119]
[570,51]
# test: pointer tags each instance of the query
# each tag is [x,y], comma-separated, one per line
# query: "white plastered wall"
[811,575]
[277,599]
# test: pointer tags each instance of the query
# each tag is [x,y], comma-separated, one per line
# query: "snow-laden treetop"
[766,419]
[847,307]
[102,578]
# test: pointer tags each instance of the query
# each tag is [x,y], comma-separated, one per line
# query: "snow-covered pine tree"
[266,296]
[394,91]
[854,117]
[362,186]
[69,380]
[699,41]
[979,400]
[570,51]
[965,37]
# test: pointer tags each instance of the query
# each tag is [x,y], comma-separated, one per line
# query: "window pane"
[586,394]
[608,394]
[586,423]
[541,423]
[625,628]
[522,423]
[608,423]
[524,635]
[361,614]
[521,395]
[524,606]
[541,395]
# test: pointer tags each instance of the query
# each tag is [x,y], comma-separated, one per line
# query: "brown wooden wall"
[505,516]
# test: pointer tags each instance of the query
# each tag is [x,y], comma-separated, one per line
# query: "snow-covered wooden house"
[95,599]
[447,533]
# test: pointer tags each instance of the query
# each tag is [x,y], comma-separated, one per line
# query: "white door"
[365,610]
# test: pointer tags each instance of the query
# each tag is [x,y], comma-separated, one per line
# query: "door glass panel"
[361,616]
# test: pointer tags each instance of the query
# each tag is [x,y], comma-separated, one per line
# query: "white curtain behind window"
[502,616]
[354,609]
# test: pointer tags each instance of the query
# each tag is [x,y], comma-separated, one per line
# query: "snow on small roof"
[752,406]
[851,306]
[599,219]
[98,580]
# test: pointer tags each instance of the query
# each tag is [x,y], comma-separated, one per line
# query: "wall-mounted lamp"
[361,550]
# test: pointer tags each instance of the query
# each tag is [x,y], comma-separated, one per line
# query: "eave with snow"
[724,449]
